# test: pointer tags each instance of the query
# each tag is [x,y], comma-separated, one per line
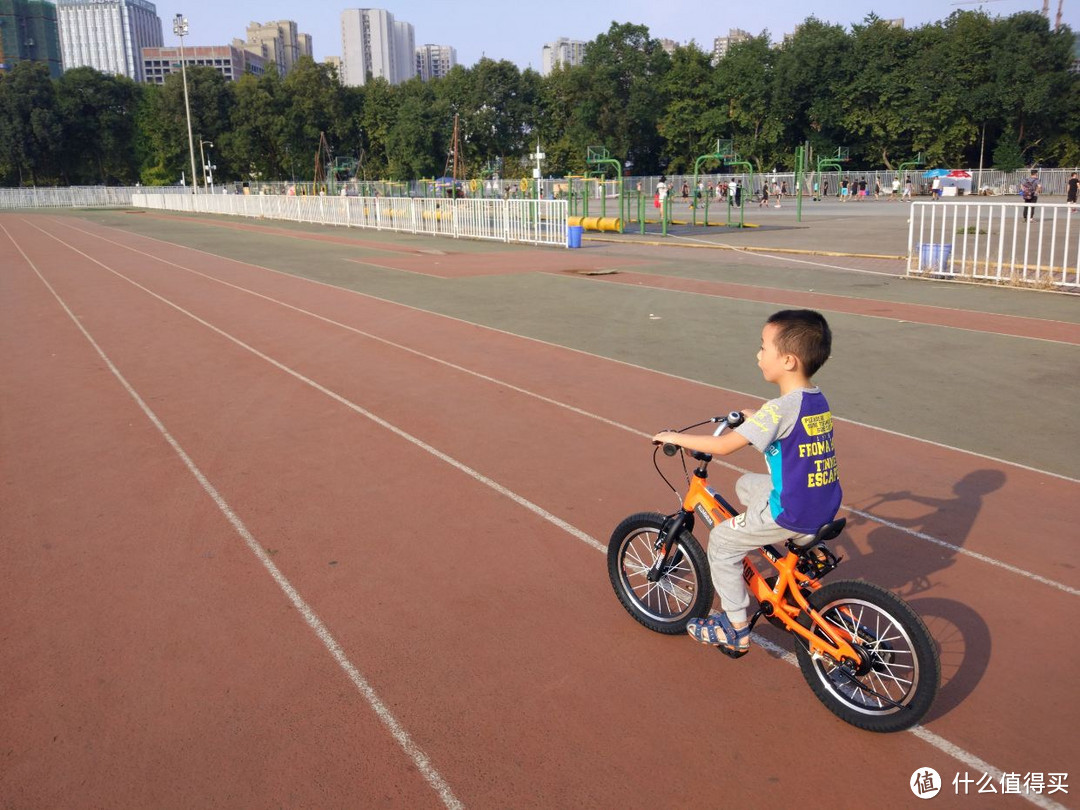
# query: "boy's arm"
[728,442]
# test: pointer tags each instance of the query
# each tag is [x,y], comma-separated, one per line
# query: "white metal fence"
[995,242]
[539,222]
[76,196]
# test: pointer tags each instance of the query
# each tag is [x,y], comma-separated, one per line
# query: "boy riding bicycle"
[802,490]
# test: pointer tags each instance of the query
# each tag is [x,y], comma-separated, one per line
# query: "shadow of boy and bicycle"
[904,557]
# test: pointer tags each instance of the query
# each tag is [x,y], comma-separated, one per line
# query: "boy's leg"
[733,539]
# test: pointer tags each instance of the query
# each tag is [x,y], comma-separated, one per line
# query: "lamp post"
[180,28]
[205,166]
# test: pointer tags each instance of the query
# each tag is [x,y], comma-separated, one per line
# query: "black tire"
[684,590]
[902,654]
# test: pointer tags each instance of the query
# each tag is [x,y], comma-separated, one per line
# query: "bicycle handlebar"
[730,421]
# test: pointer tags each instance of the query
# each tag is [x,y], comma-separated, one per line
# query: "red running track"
[430,496]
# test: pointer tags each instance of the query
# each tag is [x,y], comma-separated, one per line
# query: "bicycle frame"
[707,504]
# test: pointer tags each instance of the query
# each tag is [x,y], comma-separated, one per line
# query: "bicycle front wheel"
[899,679]
[683,590]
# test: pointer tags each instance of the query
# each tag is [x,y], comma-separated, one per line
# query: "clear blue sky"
[505,29]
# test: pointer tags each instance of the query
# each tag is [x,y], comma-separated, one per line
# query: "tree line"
[966,90]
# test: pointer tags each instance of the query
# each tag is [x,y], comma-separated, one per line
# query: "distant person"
[764,203]
[907,190]
[1029,190]
[895,193]
[843,191]
[1071,188]
[935,189]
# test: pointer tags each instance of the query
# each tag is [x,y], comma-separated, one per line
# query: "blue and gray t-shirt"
[795,432]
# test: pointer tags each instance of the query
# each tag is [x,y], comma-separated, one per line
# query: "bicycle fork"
[672,528]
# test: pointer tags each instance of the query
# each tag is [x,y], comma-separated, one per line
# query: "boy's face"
[772,363]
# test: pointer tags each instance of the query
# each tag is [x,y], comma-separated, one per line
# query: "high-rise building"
[721,44]
[108,35]
[278,43]
[434,61]
[228,60]
[335,63]
[374,44]
[563,51]
[28,33]
[405,38]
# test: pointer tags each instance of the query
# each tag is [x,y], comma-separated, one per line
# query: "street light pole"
[180,28]
[205,165]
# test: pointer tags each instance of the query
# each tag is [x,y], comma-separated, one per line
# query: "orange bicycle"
[864,652]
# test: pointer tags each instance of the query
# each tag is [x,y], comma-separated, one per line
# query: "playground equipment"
[723,151]
[835,162]
[914,163]
[599,156]
[608,224]
[800,168]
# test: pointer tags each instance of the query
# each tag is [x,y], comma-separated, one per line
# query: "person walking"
[1029,190]
[1071,186]
[907,190]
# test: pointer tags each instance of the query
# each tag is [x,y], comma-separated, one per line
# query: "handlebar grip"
[670,449]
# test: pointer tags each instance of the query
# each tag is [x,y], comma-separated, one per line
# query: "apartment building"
[374,44]
[563,51]
[434,61]
[228,60]
[279,43]
[108,35]
[29,33]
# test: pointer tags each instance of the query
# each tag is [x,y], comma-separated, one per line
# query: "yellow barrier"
[612,224]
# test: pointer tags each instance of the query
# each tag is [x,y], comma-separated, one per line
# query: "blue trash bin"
[573,236]
[933,256]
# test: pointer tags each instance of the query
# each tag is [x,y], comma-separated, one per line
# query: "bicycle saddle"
[823,535]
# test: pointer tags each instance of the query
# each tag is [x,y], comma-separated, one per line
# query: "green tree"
[811,73]
[745,81]
[411,141]
[562,123]
[625,70]
[379,116]
[878,100]
[691,122]
[255,142]
[30,124]
[98,121]
[314,104]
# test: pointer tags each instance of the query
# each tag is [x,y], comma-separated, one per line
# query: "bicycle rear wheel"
[684,589]
[902,673]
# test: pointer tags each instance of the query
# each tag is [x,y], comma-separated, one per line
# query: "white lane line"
[646,287]
[764,254]
[604,420]
[936,307]
[541,341]
[414,752]
[931,739]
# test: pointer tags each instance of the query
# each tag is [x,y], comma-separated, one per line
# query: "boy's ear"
[791,362]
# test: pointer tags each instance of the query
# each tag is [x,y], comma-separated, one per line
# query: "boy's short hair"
[805,334]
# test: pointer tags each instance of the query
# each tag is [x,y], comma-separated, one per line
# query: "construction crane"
[1045,8]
